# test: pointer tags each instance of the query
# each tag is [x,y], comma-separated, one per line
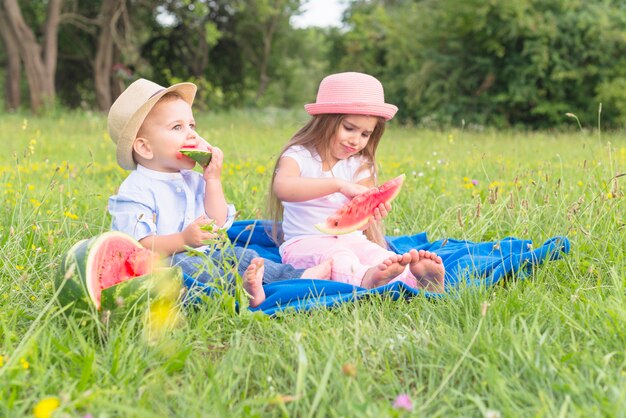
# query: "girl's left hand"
[213,171]
[381,212]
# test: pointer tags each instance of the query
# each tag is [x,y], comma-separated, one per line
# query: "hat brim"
[128,134]
[384,110]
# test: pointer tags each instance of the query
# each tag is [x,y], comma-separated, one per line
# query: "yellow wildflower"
[46,407]
[24,363]
[260,169]
[70,215]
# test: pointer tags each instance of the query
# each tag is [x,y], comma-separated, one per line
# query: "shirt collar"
[158,175]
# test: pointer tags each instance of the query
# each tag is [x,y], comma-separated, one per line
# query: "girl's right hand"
[351,189]
[197,233]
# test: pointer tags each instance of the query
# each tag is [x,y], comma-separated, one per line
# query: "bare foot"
[253,281]
[384,272]
[428,270]
[321,271]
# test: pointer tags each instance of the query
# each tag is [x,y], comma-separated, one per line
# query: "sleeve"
[132,215]
[298,154]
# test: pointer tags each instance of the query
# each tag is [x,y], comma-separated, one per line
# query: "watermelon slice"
[359,210]
[98,271]
[200,155]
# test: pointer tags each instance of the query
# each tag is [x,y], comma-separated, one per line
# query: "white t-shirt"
[299,218]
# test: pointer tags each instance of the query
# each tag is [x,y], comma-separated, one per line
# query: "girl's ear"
[142,148]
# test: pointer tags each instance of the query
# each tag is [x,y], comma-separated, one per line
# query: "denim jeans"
[223,262]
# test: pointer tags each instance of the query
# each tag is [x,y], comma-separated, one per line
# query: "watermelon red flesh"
[113,261]
[95,264]
[357,212]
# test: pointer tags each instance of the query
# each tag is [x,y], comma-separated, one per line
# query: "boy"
[164,204]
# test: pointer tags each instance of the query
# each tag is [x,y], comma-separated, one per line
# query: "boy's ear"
[142,148]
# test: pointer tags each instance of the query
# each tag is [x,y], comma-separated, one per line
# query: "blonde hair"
[316,136]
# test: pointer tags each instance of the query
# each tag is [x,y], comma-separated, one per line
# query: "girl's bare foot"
[253,281]
[384,272]
[321,271]
[428,270]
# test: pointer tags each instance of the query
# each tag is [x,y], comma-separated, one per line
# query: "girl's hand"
[381,212]
[198,232]
[213,171]
[351,189]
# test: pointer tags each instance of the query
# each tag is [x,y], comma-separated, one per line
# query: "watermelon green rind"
[164,284]
[79,281]
[328,228]
[69,281]
[202,157]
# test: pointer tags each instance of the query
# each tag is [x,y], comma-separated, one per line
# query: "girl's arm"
[290,186]
[215,204]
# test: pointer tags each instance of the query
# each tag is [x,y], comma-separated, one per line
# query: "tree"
[260,24]
[39,60]
[111,13]
[12,82]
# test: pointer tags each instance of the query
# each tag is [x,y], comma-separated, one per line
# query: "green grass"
[551,345]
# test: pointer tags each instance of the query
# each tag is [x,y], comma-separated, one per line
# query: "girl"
[328,161]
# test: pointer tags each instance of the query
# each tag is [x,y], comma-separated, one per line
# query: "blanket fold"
[473,263]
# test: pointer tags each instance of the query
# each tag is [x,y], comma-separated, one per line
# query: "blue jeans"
[223,262]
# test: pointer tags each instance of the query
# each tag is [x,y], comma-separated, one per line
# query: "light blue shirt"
[152,202]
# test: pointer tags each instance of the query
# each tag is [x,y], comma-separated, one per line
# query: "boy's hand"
[198,232]
[213,171]
[351,189]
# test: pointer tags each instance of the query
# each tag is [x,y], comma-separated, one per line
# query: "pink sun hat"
[351,93]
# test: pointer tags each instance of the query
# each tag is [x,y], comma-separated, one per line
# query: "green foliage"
[501,63]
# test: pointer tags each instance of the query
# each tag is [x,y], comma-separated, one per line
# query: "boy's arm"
[290,186]
[215,204]
[193,236]
[165,245]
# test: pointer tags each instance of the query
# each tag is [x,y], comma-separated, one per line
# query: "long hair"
[316,136]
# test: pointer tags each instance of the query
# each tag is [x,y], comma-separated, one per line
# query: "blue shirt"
[153,202]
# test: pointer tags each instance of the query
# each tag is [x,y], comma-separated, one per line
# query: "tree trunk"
[103,64]
[12,82]
[40,67]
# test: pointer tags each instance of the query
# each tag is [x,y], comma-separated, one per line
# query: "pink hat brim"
[384,110]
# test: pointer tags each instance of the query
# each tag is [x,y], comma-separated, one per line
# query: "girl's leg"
[371,253]
[314,250]
[346,266]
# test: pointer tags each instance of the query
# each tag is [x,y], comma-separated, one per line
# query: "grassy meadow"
[553,345]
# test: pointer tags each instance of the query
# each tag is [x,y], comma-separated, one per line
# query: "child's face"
[168,127]
[352,136]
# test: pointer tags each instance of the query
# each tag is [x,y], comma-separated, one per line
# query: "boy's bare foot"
[428,270]
[253,281]
[321,271]
[384,272]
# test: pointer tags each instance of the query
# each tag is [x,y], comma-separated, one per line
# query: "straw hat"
[131,108]
[352,94]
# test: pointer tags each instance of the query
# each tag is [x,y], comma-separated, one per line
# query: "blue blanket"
[472,263]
